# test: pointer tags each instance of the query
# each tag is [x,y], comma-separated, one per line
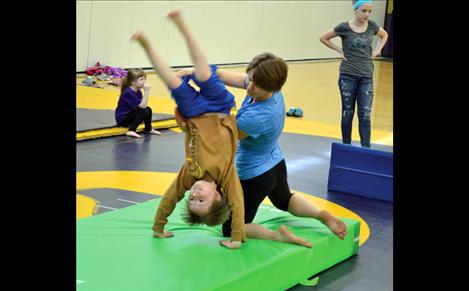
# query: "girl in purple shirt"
[132,107]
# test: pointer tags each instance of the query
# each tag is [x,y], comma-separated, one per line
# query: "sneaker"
[291,111]
[298,112]
[88,81]
[103,77]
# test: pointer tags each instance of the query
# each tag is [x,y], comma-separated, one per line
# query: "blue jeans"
[356,89]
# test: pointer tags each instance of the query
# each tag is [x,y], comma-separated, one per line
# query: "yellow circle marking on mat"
[87,206]
[156,183]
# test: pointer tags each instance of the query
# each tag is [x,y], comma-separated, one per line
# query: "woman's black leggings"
[135,118]
[272,184]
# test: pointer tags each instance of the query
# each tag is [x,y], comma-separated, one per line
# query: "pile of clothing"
[91,83]
[107,73]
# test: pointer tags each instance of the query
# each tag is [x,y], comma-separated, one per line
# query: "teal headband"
[360,3]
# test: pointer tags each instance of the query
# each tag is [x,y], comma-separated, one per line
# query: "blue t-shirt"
[128,102]
[263,122]
[212,97]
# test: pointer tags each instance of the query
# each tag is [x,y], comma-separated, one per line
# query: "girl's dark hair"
[218,213]
[132,74]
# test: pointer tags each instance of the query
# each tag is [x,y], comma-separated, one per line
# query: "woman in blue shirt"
[259,160]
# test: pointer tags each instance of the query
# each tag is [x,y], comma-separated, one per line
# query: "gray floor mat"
[88,119]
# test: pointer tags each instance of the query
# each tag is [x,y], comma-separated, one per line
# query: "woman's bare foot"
[132,134]
[137,35]
[140,37]
[336,225]
[283,234]
[154,132]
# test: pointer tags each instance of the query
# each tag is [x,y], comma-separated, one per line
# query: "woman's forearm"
[232,79]
[383,38]
[331,45]
[381,42]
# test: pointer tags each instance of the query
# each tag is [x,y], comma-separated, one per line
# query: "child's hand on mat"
[165,234]
[185,72]
[146,87]
[231,244]
[140,37]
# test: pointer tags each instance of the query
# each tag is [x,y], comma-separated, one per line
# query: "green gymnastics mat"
[116,251]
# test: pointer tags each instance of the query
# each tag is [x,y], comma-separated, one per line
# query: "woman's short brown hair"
[219,213]
[270,71]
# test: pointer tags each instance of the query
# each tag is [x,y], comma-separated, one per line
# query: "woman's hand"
[375,54]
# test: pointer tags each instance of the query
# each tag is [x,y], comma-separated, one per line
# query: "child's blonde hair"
[132,74]
[219,213]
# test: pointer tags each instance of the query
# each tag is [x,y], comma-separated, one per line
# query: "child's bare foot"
[175,15]
[283,234]
[132,134]
[154,132]
[336,225]
[140,37]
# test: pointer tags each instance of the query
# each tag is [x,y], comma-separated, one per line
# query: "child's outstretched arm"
[234,191]
[172,196]
[161,67]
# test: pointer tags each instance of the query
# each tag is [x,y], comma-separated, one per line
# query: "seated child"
[132,107]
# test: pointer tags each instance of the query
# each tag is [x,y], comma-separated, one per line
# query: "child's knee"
[148,110]
[204,75]
[174,83]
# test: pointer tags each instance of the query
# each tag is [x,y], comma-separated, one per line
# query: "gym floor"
[113,172]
